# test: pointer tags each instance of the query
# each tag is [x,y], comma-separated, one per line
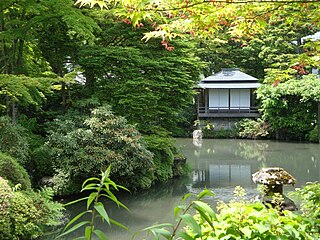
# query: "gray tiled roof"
[229,74]
[229,78]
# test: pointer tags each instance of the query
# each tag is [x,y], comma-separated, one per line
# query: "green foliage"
[26,214]
[219,133]
[163,149]
[12,171]
[309,196]
[146,84]
[41,163]
[6,195]
[290,108]
[14,140]
[23,90]
[313,135]
[100,189]
[239,219]
[32,214]
[183,218]
[249,128]
[83,147]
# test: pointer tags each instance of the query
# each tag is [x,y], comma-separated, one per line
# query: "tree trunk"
[3,45]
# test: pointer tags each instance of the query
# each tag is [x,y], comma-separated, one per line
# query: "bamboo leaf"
[75,201]
[118,224]
[163,232]
[102,212]
[187,196]
[191,222]
[91,197]
[205,208]
[75,227]
[158,226]
[185,236]
[75,219]
[90,179]
[178,209]
[87,232]
[205,193]
[100,234]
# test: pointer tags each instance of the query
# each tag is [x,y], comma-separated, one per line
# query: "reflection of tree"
[252,150]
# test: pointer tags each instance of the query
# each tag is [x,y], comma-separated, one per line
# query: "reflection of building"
[225,174]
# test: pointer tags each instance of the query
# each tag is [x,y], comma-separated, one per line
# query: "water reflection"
[217,164]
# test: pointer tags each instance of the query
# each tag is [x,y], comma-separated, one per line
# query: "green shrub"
[33,214]
[14,140]
[249,128]
[81,149]
[41,163]
[6,196]
[163,150]
[309,197]
[13,172]
[219,133]
[313,135]
[27,214]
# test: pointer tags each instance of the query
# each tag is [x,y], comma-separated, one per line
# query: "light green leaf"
[90,179]
[75,227]
[163,232]
[100,234]
[262,228]
[91,197]
[75,219]
[185,236]
[87,232]
[191,222]
[205,193]
[102,212]
[118,224]
[246,231]
[187,196]
[75,201]
[205,208]
[178,209]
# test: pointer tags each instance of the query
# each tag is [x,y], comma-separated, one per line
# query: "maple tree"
[207,18]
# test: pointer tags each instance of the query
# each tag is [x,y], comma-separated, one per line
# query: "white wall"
[219,98]
[240,98]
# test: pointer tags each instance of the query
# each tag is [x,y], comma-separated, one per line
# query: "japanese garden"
[168,119]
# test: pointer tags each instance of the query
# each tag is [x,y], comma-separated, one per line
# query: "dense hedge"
[13,172]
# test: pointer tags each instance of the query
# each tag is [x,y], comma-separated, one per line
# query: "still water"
[219,165]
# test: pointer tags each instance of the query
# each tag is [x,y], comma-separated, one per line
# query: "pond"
[219,165]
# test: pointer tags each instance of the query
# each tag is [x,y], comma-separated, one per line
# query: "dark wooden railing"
[228,112]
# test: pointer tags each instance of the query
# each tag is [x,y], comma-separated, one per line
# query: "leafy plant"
[184,218]
[237,219]
[309,197]
[99,189]
[82,147]
[12,171]
[290,107]
[14,140]
[249,128]
[27,214]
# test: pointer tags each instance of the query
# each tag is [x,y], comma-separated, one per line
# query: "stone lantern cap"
[273,176]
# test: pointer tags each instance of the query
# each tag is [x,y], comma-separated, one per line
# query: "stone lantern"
[274,178]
